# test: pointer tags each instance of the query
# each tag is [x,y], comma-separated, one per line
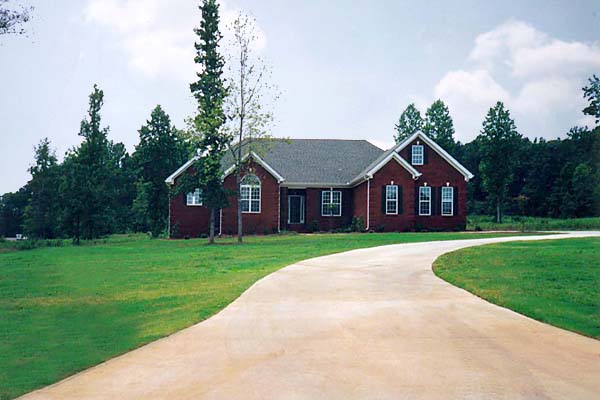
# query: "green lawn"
[515,223]
[554,281]
[63,309]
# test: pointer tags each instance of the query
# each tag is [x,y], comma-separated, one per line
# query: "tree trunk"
[498,213]
[211,229]
[239,207]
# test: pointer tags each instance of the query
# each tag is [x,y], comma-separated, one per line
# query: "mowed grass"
[63,309]
[530,224]
[553,281]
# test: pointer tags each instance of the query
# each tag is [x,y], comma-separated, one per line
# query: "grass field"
[487,223]
[554,281]
[67,308]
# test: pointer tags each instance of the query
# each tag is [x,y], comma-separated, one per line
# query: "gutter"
[368,204]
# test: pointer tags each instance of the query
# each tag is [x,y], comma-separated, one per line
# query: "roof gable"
[438,149]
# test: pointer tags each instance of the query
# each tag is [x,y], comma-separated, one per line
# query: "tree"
[87,188]
[210,92]
[159,152]
[246,108]
[41,214]
[12,19]
[592,94]
[410,121]
[499,143]
[438,125]
[12,210]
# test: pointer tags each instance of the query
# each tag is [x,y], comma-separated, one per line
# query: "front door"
[295,209]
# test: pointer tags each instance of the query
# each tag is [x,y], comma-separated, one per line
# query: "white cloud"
[537,76]
[157,36]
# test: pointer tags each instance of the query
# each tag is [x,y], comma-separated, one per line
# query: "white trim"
[388,200]
[279,209]
[393,155]
[412,154]
[451,201]
[220,221]
[331,202]
[424,201]
[194,203]
[171,179]
[250,199]
[368,204]
[302,209]
[260,162]
[443,153]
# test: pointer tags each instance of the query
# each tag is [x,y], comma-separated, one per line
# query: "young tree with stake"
[246,107]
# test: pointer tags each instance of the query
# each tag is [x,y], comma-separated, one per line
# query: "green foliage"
[161,151]
[592,94]
[12,211]
[68,308]
[553,281]
[438,126]
[210,92]
[42,211]
[358,224]
[499,145]
[531,224]
[410,121]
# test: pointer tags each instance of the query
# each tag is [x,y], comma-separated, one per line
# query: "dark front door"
[295,209]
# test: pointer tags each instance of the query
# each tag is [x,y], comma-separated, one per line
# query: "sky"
[345,69]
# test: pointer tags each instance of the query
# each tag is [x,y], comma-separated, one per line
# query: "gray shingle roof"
[315,161]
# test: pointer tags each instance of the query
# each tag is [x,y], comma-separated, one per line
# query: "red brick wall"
[437,172]
[193,221]
[266,221]
[392,171]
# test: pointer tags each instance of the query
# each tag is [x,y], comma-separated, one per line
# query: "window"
[194,198]
[417,154]
[331,203]
[391,199]
[425,200]
[447,200]
[250,194]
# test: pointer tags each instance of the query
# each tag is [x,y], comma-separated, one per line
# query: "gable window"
[425,200]
[417,154]
[250,194]
[194,198]
[391,199]
[447,200]
[331,203]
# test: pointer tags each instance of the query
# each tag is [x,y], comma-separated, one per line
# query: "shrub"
[314,226]
[358,225]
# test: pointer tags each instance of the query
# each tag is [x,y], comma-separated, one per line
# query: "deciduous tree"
[439,126]
[410,121]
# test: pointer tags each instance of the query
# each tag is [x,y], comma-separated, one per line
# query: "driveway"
[366,324]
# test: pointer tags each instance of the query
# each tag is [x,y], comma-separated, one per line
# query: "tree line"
[100,189]
[545,178]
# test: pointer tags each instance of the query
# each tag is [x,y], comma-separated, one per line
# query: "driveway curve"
[366,324]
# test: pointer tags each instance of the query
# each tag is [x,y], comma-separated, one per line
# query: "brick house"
[313,184]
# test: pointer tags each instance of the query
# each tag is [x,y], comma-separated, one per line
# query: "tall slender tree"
[41,214]
[246,106]
[439,126]
[592,94]
[410,121]
[210,92]
[499,141]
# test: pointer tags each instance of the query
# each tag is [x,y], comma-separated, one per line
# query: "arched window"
[250,194]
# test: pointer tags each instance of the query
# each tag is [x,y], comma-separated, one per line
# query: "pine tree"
[438,126]
[41,214]
[210,92]
[159,152]
[499,145]
[410,121]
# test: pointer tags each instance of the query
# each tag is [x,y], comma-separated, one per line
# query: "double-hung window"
[417,154]
[194,198]
[447,200]
[425,200]
[391,199]
[250,194]
[331,203]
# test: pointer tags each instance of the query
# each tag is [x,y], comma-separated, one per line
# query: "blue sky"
[345,69]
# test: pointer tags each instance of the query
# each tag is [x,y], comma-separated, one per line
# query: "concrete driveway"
[366,324]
